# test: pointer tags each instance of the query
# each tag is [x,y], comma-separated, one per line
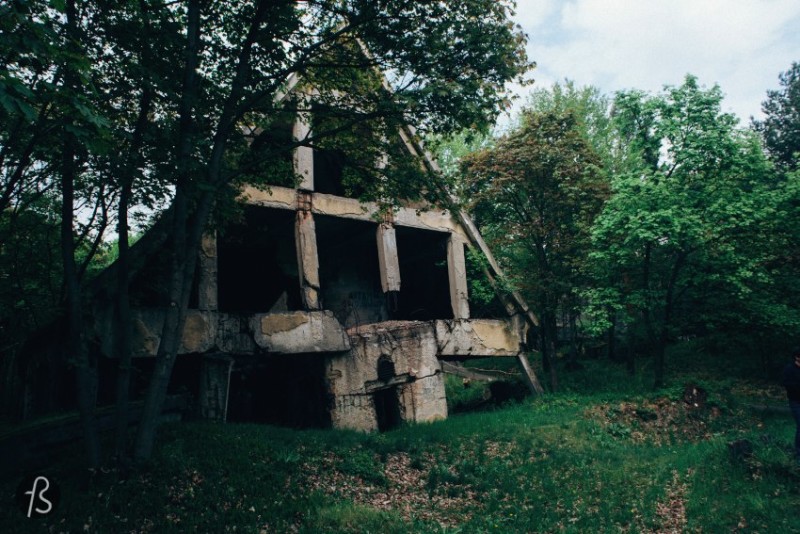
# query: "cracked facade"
[312,313]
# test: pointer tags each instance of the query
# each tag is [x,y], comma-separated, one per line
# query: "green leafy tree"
[535,195]
[780,128]
[690,228]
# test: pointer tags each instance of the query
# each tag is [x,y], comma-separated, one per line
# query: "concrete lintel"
[388,262]
[477,338]
[275,197]
[299,332]
[307,259]
[434,219]
[371,386]
[457,275]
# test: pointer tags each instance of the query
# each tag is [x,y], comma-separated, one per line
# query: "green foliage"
[30,271]
[687,245]
[780,128]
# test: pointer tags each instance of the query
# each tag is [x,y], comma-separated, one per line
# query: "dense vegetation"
[637,220]
[606,454]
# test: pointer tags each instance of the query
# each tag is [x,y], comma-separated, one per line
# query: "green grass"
[594,462]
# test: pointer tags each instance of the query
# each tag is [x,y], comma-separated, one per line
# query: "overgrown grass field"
[615,457]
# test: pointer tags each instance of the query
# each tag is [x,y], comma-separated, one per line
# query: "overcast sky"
[742,45]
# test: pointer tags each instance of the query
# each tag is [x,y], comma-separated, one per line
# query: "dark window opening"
[185,377]
[337,159]
[385,368]
[257,263]
[285,390]
[349,271]
[424,282]
[328,167]
[387,408]
[150,285]
[269,155]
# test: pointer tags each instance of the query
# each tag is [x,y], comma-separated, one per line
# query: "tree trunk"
[548,347]
[77,351]
[573,332]
[175,314]
[663,338]
[122,330]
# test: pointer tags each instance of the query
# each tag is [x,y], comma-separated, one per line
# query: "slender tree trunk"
[553,325]
[669,305]
[86,375]
[122,332]
[573,331]
[175,313]
[188,224]
[549,349]
[611,336]
[652,340]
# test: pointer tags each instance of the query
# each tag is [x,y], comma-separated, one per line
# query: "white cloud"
[645,44]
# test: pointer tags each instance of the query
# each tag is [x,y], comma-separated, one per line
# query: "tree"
[210,99]
[780,128]
[535,195]
[690,229]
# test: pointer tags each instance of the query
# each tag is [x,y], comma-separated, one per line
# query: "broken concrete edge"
[300,332]
[319,332]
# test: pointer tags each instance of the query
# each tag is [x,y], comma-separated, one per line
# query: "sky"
[741,45]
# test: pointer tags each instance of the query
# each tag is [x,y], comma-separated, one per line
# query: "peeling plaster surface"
[300,332]
[477,337]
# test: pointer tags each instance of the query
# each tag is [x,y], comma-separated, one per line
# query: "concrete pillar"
[387,258]
[457,273]
[207,298]
[215,379]
[303,157]
[305,235]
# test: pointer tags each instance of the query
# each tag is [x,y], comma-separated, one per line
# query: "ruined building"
[316,311]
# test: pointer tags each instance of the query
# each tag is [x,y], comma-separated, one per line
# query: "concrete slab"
[299,332]
[476,338]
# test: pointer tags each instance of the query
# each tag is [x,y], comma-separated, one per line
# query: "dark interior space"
[328,167]
[257,263]
[150,285]
[424,284]
[185,377]
[43,380]
[349,271]
[284,390]
[387,408]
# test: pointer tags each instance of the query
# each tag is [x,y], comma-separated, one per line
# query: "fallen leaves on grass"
[405,490]
[671,511]
[659,421]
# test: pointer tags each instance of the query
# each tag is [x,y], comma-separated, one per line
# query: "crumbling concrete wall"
[353,377]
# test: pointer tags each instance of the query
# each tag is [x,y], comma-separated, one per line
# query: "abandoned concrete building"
[315,311]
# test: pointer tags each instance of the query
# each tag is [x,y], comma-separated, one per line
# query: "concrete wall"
[353,376]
